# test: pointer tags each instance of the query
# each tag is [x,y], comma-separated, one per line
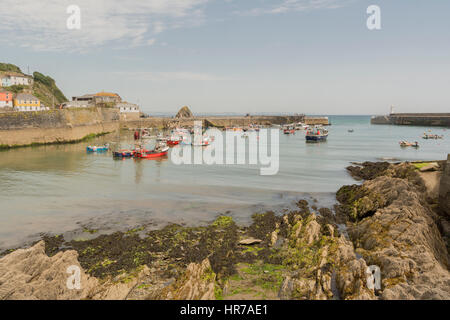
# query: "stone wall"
[444,190]
[155,122]
[414,119]
[55,126]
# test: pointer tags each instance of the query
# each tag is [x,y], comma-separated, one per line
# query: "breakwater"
[414,119]
[222,121]
[19,129]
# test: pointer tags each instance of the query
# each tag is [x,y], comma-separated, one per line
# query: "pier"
[414,119]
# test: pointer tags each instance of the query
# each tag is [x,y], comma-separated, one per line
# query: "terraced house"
[27,102]
[6,99]
[14,78]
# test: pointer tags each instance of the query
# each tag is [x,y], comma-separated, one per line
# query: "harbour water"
[60,188]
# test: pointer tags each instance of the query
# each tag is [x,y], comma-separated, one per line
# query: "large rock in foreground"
[29,274]
[396,229]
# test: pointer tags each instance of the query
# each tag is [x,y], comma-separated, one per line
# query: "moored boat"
[432,136]
[123,154]
[103,148]
[156,153]
[317,134]
[409,144]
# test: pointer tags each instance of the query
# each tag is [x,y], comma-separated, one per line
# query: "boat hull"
[151,155]
[96,149]
[316,138]
[123,154]
[173,142]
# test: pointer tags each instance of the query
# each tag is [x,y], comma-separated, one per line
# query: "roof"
[106,94]
[26,96]
[14,74]
[85,96]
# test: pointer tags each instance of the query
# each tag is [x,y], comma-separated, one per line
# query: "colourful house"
[6,99]
[27,102]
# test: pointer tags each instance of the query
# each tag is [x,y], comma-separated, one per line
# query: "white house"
[126,107]
[14,78]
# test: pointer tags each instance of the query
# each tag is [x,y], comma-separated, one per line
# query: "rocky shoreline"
[393,220]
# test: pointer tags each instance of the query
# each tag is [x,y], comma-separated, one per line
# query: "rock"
[29,274]
[184,112]
[197,283]
[444,190]
[368,170]
[249,241]
[401,237]
[312,231]
[433,166]
[273,238]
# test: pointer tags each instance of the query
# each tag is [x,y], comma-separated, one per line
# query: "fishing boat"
[123,154]
[159,151]
[404,144]
[103,148]
[289,131]
[316,134]
[172,143]
[351,130]
[174,140]
[432,136]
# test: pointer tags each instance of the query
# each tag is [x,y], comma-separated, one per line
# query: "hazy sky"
[306,56]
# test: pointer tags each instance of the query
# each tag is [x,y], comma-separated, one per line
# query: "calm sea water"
[60,188]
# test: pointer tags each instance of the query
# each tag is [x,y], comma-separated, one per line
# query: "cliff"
[43,87]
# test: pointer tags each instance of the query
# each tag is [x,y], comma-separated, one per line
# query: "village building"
[87,98]
[6,99]
[76,104]
[106,98]
[99,98]
[126,107]
[128,111]
[27,102]
[13,78]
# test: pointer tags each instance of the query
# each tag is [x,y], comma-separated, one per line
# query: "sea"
[57,189]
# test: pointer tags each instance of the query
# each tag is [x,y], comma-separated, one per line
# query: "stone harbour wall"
[55,126]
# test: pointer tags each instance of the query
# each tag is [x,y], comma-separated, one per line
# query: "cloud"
[283,6]
[42,25]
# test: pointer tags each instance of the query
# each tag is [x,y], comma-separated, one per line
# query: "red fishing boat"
[173,142]
[158,152]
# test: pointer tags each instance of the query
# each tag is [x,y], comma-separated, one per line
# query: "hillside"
[44,87]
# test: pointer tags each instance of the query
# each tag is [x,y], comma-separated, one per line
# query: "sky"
[243,56]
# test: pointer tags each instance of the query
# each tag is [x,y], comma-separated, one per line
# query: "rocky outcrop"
[444,190]
[322,264]
[184,112]
[29,274]
[396,229]
[197,283]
